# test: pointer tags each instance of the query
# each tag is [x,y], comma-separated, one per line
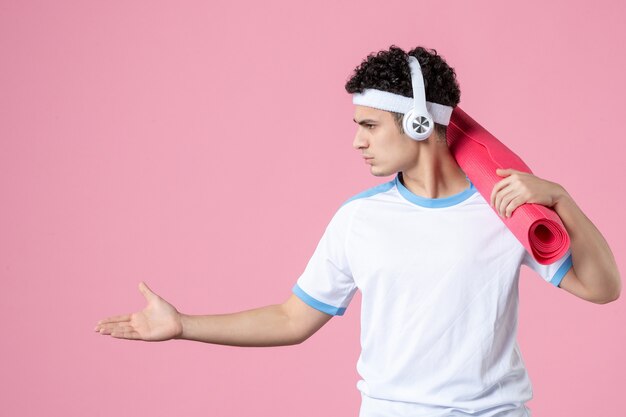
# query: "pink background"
[204,147]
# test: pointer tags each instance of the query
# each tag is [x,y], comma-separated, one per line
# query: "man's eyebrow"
[365,121]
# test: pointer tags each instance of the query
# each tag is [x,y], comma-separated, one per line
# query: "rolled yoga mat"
[479,153]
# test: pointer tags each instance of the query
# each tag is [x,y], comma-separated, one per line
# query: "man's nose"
[359,140]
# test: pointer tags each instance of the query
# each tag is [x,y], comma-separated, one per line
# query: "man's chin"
[378,173]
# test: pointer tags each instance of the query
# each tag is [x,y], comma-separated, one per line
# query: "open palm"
[158,321]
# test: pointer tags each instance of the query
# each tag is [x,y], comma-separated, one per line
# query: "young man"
[437,269]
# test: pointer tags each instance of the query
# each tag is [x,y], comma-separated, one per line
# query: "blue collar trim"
[434,202]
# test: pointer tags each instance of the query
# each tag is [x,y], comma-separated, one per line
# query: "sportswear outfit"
[439,284]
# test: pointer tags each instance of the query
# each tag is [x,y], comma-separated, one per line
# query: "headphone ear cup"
[417,126]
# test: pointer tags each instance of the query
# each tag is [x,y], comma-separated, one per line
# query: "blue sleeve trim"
[560,273]
[323,307]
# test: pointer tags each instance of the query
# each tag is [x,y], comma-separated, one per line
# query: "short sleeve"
[552,273]
[326,283]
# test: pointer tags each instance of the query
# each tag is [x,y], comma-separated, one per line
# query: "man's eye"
[369,126]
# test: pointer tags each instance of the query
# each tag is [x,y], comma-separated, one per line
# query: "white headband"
[385,100]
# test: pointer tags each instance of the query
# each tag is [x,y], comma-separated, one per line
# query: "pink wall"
[203,148]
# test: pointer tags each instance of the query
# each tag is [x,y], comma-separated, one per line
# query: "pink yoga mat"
[479,153]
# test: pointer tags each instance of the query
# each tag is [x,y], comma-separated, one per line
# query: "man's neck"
[436,173]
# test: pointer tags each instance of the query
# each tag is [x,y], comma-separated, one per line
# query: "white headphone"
[417,123]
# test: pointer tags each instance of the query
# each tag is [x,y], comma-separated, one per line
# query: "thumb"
[504,171]
[147,292]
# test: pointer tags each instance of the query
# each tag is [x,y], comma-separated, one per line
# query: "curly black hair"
[389,70]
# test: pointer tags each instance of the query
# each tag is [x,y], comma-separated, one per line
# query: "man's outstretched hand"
[158,321]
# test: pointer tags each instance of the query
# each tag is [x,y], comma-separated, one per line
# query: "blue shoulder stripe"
[380,188]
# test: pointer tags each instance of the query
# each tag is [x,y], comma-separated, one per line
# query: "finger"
[126,334]
[506,202]
[510,171]
[104,330]
[503,199]
[496,189]
[115,319]
[109,325]
[146,291]
[500,194]
[513,204]
[108,328]
[504,172]
[120,329]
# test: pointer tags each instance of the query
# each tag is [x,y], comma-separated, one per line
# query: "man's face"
[378,137]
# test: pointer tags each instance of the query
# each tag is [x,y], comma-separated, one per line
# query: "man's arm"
[594,275]
[288,323]
[264,326]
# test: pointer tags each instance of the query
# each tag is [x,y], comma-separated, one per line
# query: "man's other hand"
[158,321]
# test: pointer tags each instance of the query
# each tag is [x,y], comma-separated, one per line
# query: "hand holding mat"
[479,153]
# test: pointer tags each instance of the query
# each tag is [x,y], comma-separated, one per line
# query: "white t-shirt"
[439,284]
